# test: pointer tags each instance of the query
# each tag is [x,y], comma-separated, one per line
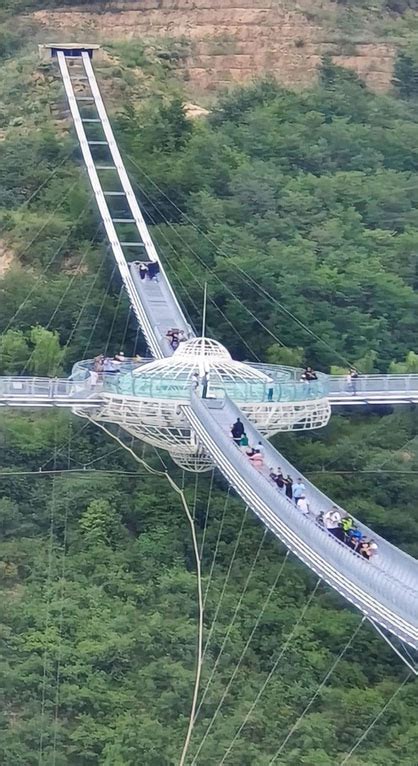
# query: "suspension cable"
[73,278]
[214,274]
[39,276]
[46,180]
[220,529]
[375,720]
[182,496]
[61,299]
[249,639]
[115,313]
[410,663]
[84,305]
[273,669]
[227,634]
[49,219]
[319,689]
[99,313]
[223,253]
[226,580]
[211,300]
[194,277]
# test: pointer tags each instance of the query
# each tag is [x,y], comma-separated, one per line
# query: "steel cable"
[272,671]
[248,642]
[226,637]
[319,689]
[375,720]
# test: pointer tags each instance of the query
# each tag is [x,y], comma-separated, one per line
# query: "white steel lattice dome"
[199,356]
[202,347]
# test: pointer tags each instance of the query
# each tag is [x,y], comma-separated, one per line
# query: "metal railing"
[178,387]
[373,384]
[44,388]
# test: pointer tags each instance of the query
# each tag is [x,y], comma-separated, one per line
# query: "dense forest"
[300,211]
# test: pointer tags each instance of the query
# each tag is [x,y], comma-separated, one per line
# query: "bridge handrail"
[373,383]
[18,386]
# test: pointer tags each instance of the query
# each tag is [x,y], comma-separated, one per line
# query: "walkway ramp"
[385,589]
[154,303]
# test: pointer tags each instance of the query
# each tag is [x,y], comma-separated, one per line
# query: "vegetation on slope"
[312,196]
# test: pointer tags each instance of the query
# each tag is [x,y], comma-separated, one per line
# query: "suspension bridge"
[158,400]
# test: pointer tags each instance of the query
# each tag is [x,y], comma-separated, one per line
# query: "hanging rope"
[273,669]
[182,496]
[196,485]
[47,610]
[205,523]
[375,720]
[319,689]
[61,608]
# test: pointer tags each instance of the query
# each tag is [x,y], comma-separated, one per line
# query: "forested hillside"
[300,211]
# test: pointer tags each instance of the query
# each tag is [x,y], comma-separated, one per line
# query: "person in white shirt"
[93,378]
[332,518]
[302,505]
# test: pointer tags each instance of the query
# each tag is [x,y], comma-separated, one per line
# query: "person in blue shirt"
[298,490]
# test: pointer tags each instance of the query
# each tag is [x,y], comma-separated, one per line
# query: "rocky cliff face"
[231,40]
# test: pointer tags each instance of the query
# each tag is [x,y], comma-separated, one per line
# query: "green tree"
[405,75]
[14,352]
[100,522]
[47,355]
[409,365]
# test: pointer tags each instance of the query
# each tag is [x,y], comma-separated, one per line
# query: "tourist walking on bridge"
[237,431]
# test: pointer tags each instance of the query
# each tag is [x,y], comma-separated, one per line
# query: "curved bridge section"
[384,589]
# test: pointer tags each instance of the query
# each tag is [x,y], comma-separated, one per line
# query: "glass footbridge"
[186,400]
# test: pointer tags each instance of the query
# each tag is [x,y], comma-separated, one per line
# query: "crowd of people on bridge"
[335,522]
